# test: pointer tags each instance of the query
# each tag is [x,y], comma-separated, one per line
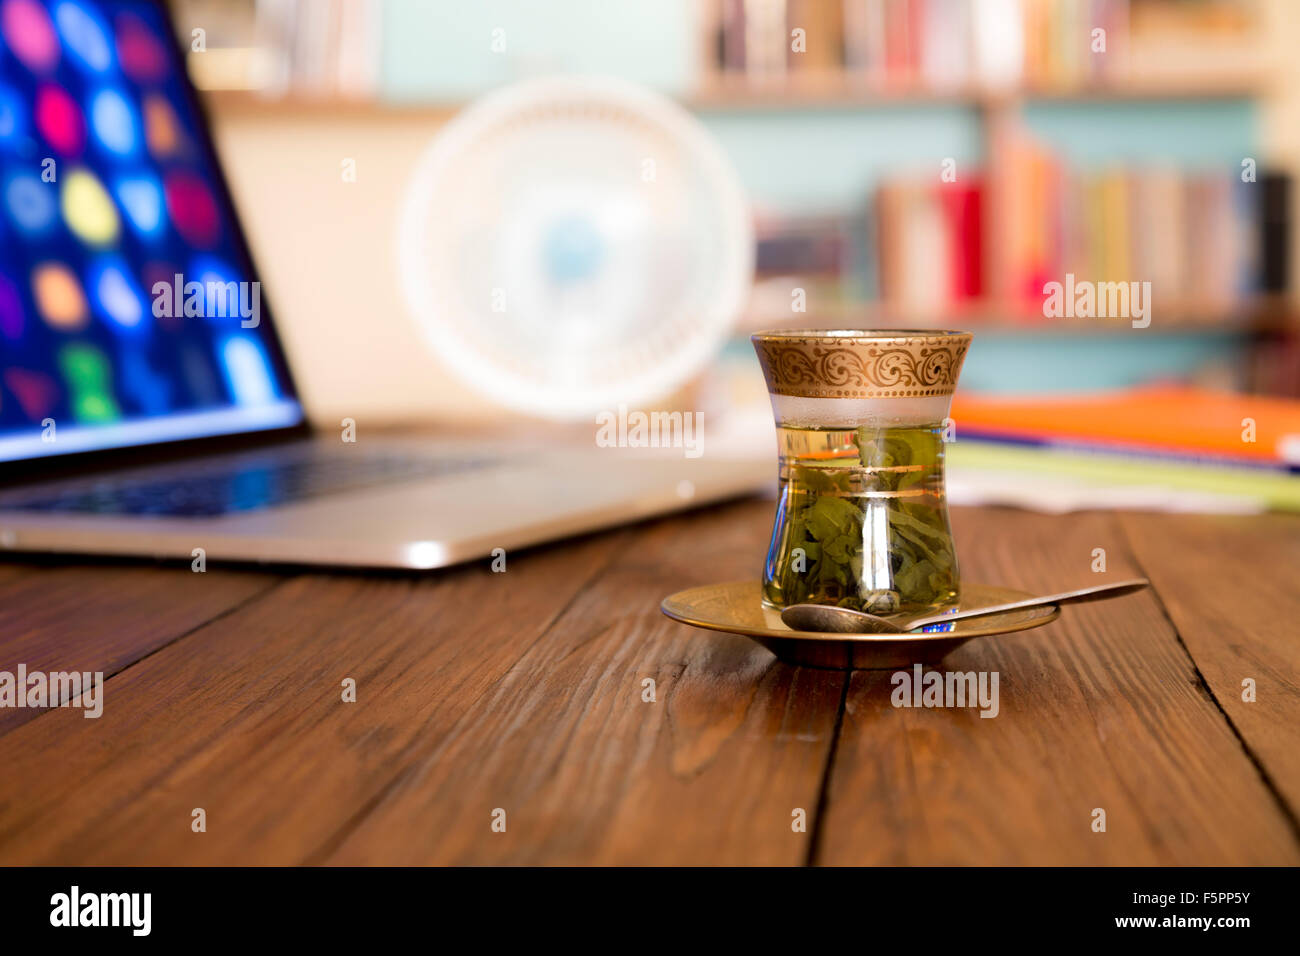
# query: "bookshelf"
[822,93]
[260,104]
[1259,315]
[846,93]
[1157,60]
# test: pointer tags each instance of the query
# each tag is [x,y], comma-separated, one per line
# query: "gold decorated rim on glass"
[862,363]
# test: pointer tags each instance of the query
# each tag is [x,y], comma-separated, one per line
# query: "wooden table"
[523,692]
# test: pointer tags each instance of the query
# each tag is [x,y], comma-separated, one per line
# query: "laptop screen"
[129,310]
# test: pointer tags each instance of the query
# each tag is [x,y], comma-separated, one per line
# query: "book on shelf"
[804,246]
[901,43]
[913,248]
[1211,246]
[821,48]
[928,239]
[765,40]
[1198,236]
[944,44]
[1274,216]
[314,48]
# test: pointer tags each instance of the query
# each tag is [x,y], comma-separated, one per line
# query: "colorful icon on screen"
[162,130]
[247,371]
[29,34]
[141,198]
[206,269]
[13,117]
[11,310]
[210,290]
[116,296]
[222,288]
[88,210]
[59,120]
[199,375]
[58,297]
[90,384]
[115,122]
[35,391]
[192,207]
[85,35]
[31,203]
[139,50]
[151,391]
[151,275]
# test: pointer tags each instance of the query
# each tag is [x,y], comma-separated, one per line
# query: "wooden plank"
[59,617]
[245,718]
[1231,586]
[523,691]
[587,772]
[1102,709]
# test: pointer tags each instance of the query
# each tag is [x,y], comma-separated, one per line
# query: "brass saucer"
[737,607]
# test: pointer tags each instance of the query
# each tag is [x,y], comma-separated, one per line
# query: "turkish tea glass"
[861,421]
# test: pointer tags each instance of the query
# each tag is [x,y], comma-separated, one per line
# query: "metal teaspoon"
[842,620]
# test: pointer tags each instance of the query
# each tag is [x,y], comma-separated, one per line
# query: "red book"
[898,54]
[915,37]
[962,205]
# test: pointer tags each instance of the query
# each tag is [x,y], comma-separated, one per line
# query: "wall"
[327,247]
[327,252]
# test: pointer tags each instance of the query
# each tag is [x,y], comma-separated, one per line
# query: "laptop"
[147,407]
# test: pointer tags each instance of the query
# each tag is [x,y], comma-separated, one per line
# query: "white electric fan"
[570,244]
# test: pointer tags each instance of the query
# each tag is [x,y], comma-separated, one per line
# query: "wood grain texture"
[1101,709]
[523,691]
[587,771]
[60,617]
[1232,589]
[245,718]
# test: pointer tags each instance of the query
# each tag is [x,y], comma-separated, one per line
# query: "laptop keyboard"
[236,487]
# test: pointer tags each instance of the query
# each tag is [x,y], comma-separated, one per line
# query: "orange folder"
[1165,419]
